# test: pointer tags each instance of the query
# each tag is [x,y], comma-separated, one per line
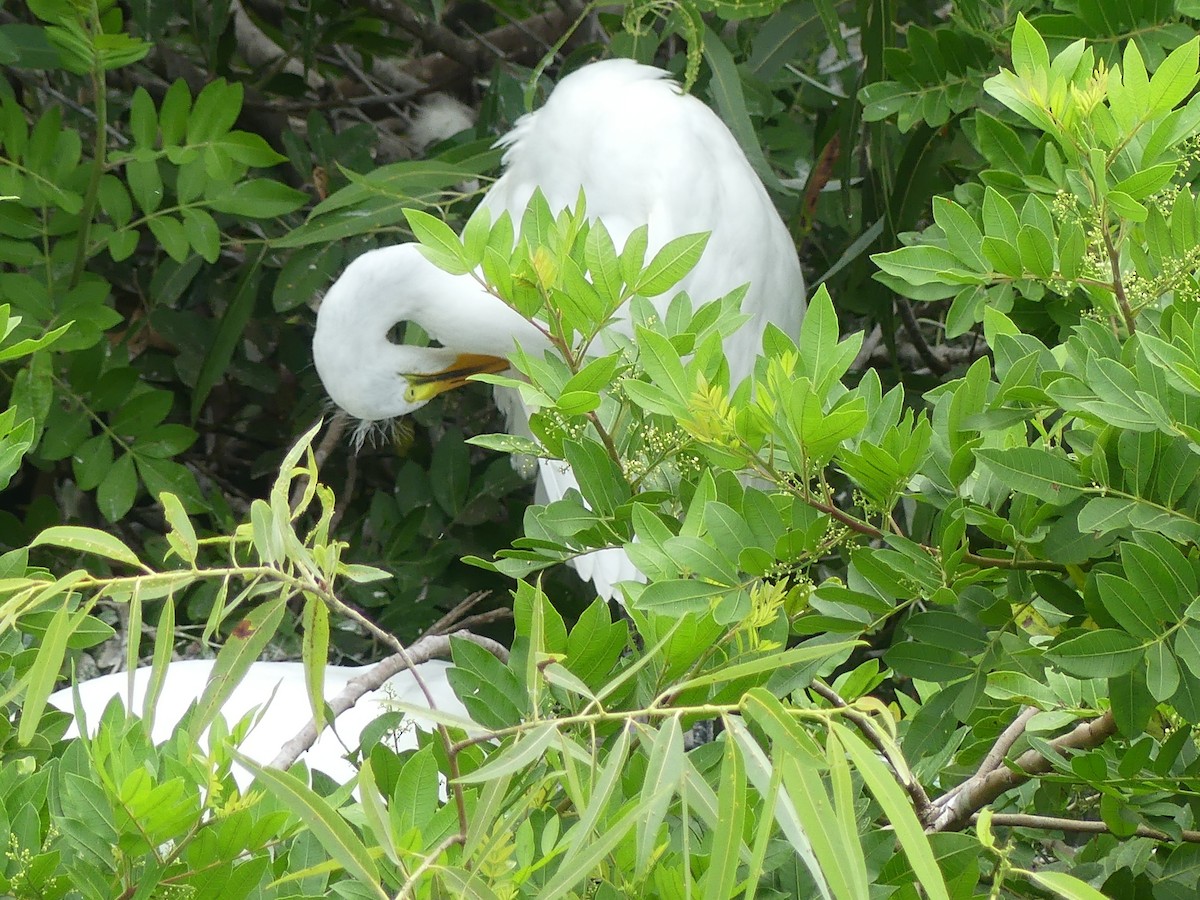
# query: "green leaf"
[898,809]
[671,264]
[87,540]
[664,767]
[1032,470]
[732,808]
[1037,253]
[145,183]
[241,649]
[229,332]
[921,264]
[315,652]
[1066,886]
[1103,653]
[202,233]
[961,232]
[215,110]
[441,245]
[258,198]
[1173,80]
[1029,54]
[44,671]
[600,255]
[1149,181]
[450,472]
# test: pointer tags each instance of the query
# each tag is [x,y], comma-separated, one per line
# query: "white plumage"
[644,153]
[276,687]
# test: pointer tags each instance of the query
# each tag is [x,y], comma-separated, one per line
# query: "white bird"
[276,689]
[644,153]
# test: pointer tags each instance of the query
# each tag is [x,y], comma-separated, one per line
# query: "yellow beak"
[423,388]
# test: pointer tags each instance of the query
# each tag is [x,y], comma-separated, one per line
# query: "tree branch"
[435,646]
[1083,826]
[956,807]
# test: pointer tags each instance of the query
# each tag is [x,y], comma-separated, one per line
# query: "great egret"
[276,687]
[644,153]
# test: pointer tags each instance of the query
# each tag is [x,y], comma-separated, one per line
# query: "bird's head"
[371,377]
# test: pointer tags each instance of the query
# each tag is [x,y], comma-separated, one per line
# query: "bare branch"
[260,52]
[432,647]
[957,807]
[995,756]
[1004,743]
[1082,826]
[440,38]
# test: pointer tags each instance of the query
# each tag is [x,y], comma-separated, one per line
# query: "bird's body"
[643,153]
[276,687]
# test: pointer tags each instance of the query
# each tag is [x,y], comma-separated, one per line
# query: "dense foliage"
[943,609]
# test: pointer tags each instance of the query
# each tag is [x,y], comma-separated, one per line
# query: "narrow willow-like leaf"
[768,663]
[571,872]
[662,771]
[602,792]
[485,814]
[727,840]
[239,653]
[898,808]
[761,774]
[44,671]
[811,800]
[87,540]
[315,653]
[1067,886]
[164,647]
[376,813]
[335,835]
[528,747]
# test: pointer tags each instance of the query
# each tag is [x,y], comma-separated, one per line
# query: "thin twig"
[1084,826]
[440,38]
[1118,286]
[995,756]
[1004,743]
[924,808]
[913,327]
[455,615]
[427,864]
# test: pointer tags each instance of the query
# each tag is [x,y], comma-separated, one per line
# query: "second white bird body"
[277,691]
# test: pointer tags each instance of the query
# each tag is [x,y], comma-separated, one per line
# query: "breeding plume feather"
[643,153]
